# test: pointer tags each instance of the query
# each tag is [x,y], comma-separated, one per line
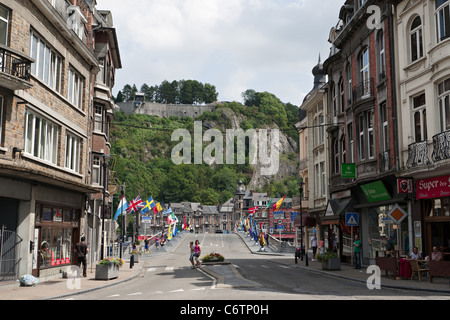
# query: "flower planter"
[331,264]
[106,272]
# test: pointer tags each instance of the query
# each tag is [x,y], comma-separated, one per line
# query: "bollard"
[131,261]
[306,261]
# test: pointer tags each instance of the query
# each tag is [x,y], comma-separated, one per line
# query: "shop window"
[441,207]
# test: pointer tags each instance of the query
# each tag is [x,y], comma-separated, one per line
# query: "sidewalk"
[57,287]
[439,285]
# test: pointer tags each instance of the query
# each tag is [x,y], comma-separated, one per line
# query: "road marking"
[179,290]
[151,269]
[285,267]
[135,294]
[264,266]
[236,266]
[169,268]
[199,289]
[114,295]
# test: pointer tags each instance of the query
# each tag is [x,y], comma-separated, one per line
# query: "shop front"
[433,195]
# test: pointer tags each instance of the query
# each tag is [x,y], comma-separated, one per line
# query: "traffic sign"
[397,214]
[352,219]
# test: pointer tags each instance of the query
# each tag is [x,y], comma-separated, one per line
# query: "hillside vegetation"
[142,147]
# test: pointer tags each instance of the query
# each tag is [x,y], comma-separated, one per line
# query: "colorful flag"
[277,205]
[149,204]
[157,208]
[252,210]
[135,205]
[123,206]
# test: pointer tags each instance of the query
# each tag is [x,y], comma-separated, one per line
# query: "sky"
[235,45]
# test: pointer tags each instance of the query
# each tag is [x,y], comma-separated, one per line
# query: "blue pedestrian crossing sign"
[352,219]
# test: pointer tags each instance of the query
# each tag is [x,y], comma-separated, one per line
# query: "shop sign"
[348,170]
[433,187]
[404,185]
[375,191]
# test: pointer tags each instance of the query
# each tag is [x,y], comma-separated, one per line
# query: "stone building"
[46,73]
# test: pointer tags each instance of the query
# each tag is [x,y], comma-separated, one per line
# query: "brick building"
[46,92]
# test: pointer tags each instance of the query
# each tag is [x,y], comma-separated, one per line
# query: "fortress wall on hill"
[166,110]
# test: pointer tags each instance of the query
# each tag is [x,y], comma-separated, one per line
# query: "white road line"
[264,266]
[114,295]
[199,289]
[135,294]
[169,268]
[179,290]
[151,269]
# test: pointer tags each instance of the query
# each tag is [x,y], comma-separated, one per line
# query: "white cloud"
[265,45]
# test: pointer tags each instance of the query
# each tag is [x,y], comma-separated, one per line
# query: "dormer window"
[76,20]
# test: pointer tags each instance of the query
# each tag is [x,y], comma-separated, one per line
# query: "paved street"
[167,275]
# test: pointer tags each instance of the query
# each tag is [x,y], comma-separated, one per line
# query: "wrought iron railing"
[363,90]
[418,154]
[15,63]
[441,146]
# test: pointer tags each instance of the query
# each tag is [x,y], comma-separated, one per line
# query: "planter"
[331,264]
[106,272]
[135,257]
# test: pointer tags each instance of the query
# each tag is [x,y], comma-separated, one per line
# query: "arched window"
[416,40]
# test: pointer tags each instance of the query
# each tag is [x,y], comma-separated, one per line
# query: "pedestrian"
[81,251]
[157,243]
[314,245]
[197,253]
[357,252]
[146,245]
[191,254]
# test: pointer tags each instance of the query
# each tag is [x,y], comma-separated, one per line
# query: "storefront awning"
[335,208]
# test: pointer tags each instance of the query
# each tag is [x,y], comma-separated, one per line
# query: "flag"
[149,204]
[157,208]
[277,205]
[123,206]
[252,210]
[135,205]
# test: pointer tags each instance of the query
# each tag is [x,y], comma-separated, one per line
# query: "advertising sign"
[436,187]
[375,191]
[348,170]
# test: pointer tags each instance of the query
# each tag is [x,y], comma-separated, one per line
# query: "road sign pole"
[351,258]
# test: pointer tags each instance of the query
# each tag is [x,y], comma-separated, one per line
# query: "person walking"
[191,255]
[81,251]
[314,245]
[197,253]
[357,252]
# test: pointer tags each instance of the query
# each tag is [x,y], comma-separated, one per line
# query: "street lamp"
[122,228]
[300,184]
[105,165]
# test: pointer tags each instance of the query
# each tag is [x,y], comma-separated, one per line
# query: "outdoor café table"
[404,268]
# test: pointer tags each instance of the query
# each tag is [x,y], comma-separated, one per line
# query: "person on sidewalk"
[314,246]
[191,256]
[81,251]
[357,252]
[197,253]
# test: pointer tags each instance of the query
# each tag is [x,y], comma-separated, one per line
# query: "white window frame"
[73,153]
[96,168]
[48,63]
[76,86]
[98,118]
[6,20]
[444,105]
[364,63]
[1,121]
[420,111]
[416,33]
[41,138]
[442,20]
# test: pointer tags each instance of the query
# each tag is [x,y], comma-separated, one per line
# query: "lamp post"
[105,165]
[300,190]
[122,224]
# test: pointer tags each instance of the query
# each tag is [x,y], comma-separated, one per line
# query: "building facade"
[423,86]
[45,110]
[362,131]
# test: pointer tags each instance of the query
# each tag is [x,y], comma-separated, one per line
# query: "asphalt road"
[168,276]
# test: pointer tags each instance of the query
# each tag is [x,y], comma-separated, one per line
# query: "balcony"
[364,90]
[418,154]
[441,146]
[15,69]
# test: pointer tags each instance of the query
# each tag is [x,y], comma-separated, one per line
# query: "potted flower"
[108,268]
[213,257]
[330,261]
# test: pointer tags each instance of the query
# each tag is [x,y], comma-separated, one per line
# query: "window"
[96,171]
[351,158]
[366,135]
[442,15]
[48,64]
[98,118]
[335,97]
[336,156]
[73,153]
[1,120]
[444,105]
[385,127]
[320,179]
[342,96]
[416,41]
[41,138]
[348,76]
[364,71]
[4,25]
[419,112]
[319,129]
[381,55]
[75,88]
